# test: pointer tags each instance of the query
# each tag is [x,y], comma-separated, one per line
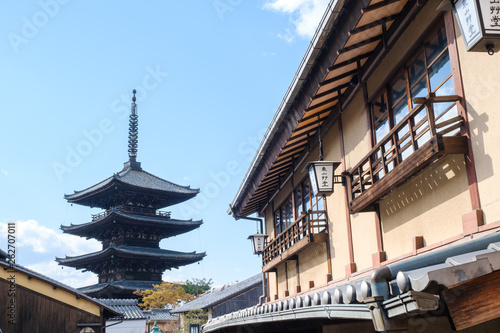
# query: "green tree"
[163,295]
[197,286]
[197,316]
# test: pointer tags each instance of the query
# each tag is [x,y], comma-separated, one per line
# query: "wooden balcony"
[310,227]
[419,139]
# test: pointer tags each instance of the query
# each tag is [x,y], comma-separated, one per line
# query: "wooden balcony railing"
[131,209]
[310,227]
[431,129]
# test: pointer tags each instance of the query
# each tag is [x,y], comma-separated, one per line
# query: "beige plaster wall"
[430,205]
[269,223]
[364,239]
[356,135]
[357,145]
[271,283]
[480,77]
[292,277]
[281,280]
[336,205]
[313,266]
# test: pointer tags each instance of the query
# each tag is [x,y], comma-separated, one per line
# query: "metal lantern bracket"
[339,179]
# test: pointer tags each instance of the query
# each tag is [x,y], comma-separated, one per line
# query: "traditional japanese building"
[130,227]
[401,97]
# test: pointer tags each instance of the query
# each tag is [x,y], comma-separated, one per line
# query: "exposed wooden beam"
[350,61]
[339,77]
[373,24]
[360,44]
[331,91]
[322,103]
[378,5]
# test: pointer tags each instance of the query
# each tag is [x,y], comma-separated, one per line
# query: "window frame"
[403,70]
[313,203]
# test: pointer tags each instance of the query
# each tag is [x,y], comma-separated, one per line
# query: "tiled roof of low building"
[129,308]
[212,298]
[411,277]
[160,315]
[128,285]
[3,255]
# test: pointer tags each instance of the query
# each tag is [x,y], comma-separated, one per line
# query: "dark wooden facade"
[33,302]
[38,313]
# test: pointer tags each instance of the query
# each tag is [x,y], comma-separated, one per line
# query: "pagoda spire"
[133,131]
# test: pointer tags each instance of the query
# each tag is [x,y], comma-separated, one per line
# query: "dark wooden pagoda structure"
[130,227]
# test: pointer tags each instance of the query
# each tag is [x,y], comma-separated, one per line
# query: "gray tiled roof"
[160,315]
[136,251]
[137,178]
[129,285]
[210,299]
[471,260]
[127,307]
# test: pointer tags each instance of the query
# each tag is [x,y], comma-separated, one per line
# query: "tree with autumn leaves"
[169,294]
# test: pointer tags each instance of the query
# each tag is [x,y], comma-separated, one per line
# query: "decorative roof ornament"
[133,131]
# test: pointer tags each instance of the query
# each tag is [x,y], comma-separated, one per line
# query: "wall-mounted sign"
[479,22]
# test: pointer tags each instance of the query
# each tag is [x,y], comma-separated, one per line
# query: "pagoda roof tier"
[165,258]
[135,185]
[165,226]
[121,288]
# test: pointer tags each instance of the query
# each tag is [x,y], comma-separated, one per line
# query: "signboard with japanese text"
[479,22]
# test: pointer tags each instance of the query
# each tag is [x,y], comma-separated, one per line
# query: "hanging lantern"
[258,243]
[479,22]
[321,176]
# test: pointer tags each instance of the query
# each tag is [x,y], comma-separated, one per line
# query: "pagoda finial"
[133,131]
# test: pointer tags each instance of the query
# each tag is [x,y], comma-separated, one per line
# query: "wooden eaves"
[352,40]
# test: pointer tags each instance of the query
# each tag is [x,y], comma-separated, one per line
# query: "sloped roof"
[348,42]
[443,268]
[210,299]
[132,177]
[160,315]
[123,285]
[129,308]
[171,227]
[174,257]
[3,255]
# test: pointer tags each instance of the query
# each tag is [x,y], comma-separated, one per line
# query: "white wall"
[127,326]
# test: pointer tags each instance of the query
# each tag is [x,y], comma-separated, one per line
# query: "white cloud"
[41,239]
[288,36]
[48,243]
[5,172]
[304,14]
[66,275]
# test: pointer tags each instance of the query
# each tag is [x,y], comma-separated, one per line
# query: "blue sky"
[209,74]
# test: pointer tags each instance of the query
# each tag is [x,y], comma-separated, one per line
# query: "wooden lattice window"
[428,71]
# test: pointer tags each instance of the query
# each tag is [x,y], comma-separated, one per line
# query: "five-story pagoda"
[130,227]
